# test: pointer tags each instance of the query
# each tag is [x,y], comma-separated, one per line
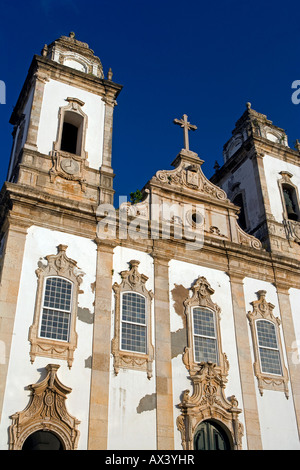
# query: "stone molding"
[62,266]
[45,411]
[132,281]
[264,310]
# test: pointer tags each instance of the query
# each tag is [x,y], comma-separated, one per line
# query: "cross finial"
[186,128]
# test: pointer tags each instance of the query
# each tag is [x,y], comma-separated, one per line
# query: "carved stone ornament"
[132,281]
[207,402]
[56,265]
[264,310]
[247,240]
[45,411]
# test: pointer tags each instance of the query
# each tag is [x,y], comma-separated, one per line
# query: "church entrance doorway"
[42,440]
[210,436]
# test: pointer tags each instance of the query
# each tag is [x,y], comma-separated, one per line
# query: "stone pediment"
[189,175]
[185,199]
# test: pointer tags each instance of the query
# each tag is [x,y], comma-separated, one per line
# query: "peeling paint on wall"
[88,362]
[147,403]
[180,294]
[85,315]
[178,342]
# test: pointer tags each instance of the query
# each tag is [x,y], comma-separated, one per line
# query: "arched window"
[290,201]
[210,436]
[269,365]
[133,323]
[239,201]
[132,342]
[72,128]
[203,328]
[53,332]
[204,334]
[56,309]
[268,347]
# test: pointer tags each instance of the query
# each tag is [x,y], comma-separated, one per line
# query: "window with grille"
[133,323]
[204,333]
[268,347]
[56,309]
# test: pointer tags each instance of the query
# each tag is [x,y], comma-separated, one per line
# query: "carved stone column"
[31,140]
[163,365]
[98,420]
[290,345]
[253,432]
[9,288]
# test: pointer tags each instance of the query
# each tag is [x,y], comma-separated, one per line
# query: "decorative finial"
[248,105]
[109,74]
[216,166]
[72,35]
[45,50]
[297,145]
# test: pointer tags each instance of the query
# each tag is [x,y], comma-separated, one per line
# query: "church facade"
[171,323]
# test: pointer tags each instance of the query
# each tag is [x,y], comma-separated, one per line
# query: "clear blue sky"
[204,59]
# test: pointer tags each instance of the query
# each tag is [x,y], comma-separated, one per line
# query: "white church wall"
[273,166]
[295,303]
[132,410]
[21,373]
[55,94]
[269,404]
[185,274]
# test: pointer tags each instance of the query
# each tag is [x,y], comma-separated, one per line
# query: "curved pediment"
[189,175]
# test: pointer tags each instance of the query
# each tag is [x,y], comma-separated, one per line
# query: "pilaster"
[163,364]
[9,288]
[250,408]
[106,172]
[99,398]
[290,342]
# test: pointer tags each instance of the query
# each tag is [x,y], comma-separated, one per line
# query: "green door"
[209,436]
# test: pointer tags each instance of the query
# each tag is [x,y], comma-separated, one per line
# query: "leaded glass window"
[56,310]
[204,332]
[133,323]
[268,347]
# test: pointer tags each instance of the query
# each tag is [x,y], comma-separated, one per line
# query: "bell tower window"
[290,201]
[71,137]
[72,126]
[239,201]
[289,197]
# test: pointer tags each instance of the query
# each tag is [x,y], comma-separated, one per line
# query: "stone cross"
[186,128]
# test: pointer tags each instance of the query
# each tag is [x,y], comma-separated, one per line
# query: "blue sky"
[203,59]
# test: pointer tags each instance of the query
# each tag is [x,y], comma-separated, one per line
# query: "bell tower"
[261,175]
[63,124]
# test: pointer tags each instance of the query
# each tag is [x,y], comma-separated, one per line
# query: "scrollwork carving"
[46,410]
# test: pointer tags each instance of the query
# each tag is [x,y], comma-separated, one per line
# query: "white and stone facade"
[180,248]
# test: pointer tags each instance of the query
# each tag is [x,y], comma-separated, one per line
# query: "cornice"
[259,147]
[55,71]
